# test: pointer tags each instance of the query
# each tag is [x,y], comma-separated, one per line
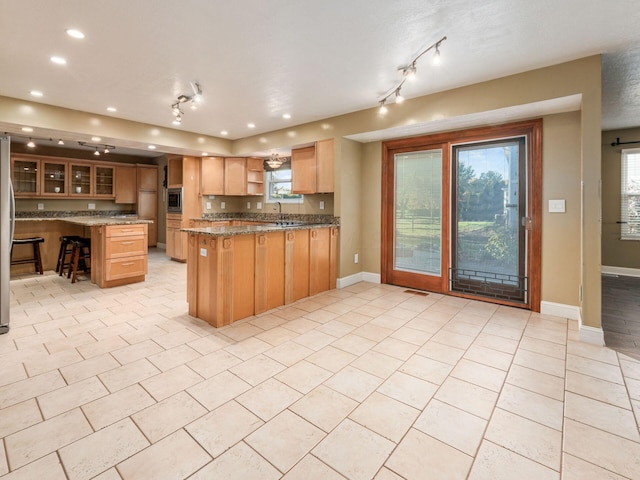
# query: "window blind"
[630,195]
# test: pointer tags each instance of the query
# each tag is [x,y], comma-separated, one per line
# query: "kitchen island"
[234,272]
[118,244]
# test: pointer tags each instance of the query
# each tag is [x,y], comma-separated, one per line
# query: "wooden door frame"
[532,130]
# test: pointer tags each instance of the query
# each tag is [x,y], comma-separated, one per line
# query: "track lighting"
[195,98]
[409,72]
[30,144]
[98,146]
[60,142]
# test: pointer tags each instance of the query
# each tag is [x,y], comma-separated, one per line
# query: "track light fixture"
[31,144]
[98,146]
[194,99]
[409,72]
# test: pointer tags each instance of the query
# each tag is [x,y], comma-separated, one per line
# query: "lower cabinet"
[231,278]
[176,240]
[119,255]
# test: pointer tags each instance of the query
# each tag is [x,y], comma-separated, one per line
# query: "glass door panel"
[488,222]
[80,180]
[417,241]
[54,178]
[104,181]
[25,177]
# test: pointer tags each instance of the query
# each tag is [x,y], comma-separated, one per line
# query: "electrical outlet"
[208,205]
[322,207]
[222,205]
[91,206]
[355,258]
[259,206]
[41,206]
[248,204]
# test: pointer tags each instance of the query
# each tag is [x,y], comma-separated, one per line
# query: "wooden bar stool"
[80,258]
[36,259]
[66,247]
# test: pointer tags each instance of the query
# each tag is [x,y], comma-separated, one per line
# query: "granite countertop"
[228,231]
[89,221]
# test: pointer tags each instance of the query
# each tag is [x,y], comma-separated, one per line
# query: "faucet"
[279,205]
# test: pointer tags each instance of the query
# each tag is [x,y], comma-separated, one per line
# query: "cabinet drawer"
[116,247]
[126,230]
[174,223]
[118,268]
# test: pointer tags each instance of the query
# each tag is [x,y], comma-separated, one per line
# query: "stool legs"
[38,258]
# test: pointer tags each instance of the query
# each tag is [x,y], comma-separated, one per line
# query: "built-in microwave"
[174,200]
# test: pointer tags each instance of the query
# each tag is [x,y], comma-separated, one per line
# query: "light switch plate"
[222,205]
[557,206]
[91,206]
[259,206]
[248,204]
[203,252]
[322,207]
[41,206]
[208,205]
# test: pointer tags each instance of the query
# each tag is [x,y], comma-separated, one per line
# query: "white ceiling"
[259,59]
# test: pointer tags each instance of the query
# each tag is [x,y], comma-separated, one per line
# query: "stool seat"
[36,259]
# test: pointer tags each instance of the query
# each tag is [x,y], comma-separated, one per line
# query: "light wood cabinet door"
[269,271]
[212,175]
[104,181]
[324,166]
[303,170]
[319,260]
[174,172]
[148,209]
[54,180]
[147,177]
[255,176]
[25,176]
[125,184]
[81,180]
[235,176]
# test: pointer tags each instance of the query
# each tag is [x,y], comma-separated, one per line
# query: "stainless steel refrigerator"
[7,213]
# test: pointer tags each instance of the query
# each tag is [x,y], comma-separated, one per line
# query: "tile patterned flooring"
[360,383]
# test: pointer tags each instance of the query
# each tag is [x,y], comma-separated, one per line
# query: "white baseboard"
[161,246]
[624,271]
[358,277]
[571,312]
[592,335]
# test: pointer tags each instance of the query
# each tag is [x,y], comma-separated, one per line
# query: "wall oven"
[174,200]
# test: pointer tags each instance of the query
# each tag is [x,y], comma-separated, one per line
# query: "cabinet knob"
[261,239]
[314,234]
[291,236]
[226,243]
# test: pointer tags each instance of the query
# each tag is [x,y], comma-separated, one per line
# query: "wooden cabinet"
[119,255]
[234,277]
[243,176]
[54,178]
[147,198]
[212,176]
[176,240]
[174,171]
[104,185]
[80,183]
[25,175]
[125,184]
[312,168]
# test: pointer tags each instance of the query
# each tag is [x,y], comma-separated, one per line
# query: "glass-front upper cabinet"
[54,178]
[25,176]
[104,181]
[80,180]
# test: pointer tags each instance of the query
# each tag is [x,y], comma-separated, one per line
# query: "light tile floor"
[359,383]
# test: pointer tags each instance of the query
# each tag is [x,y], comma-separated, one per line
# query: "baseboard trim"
[358,277]
[592,335]
[624,271]
[571,312]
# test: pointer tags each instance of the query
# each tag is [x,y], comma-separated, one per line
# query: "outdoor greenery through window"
[630,195]
[279,187]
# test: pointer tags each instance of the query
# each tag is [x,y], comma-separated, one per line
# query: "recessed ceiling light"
[58,60]
[251,125]
[224,132]
[286,116]
[27,129]
[205,154]
[95,139]
[111,109]
[36,93]
[151,147]
[72,32]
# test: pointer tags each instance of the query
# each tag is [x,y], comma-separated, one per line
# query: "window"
[279,187]
[630,195]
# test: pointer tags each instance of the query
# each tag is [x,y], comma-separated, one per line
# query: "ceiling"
[257,60]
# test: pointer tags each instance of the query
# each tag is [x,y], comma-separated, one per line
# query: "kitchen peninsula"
[118,244]
[234,272]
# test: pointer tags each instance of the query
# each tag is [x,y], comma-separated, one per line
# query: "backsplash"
[273,217]
[75,213]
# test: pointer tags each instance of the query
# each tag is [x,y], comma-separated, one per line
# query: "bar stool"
[80,258]
[36,259]
[66,247]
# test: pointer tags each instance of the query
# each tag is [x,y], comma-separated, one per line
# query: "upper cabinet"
[126,184]
[54,180]
[104,181]
[212,175]
[25,174]
[312,168]
[243,176]
[80,184]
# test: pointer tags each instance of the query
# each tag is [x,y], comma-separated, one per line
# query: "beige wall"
[561,231]
[616,252]
[310,205]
